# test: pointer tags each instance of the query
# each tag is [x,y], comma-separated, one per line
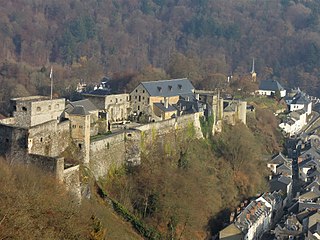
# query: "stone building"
[80,130]
[234,110]
[34,110]
[117,106]
[35,128]
[162,94]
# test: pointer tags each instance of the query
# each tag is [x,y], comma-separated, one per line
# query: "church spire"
[253,73]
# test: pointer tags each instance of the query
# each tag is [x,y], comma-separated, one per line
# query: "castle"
[42,130]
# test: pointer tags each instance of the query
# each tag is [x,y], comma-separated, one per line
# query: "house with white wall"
[271,88]
[294,122]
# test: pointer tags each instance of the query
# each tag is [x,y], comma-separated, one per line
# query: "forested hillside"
[204,40]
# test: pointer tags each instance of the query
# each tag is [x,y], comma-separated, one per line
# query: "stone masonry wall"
[107,154]
[114,150]
[13,141]
[49,139]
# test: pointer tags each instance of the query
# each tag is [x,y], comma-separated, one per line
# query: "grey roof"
[285,180]
[187,107]
[280,183]
[169,88]
[284,169]
[79,110]
[270,85]
[98,92]
[279,159]
[310,153]
[86,103]
[164,109]
[301,98]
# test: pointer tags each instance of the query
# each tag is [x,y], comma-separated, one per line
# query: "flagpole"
[51,78]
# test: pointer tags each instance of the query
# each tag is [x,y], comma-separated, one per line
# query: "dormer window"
[159,89]
[180,86]
[170,88]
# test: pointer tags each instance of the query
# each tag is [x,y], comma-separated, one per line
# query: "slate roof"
[278,159]
[98,92]
[280,183]
[270,85]
[301,98]
[187,107]
[169,88]
[311,153]
[251,214]
[86,103]
[164,109]
[284,169]
[309,195]
[79,110]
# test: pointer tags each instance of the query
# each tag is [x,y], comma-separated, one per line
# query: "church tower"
[253,73]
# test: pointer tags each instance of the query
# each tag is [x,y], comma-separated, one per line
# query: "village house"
[294,122]
[283,183]
[279,164]
[251,223]
[271,88]
[298,100]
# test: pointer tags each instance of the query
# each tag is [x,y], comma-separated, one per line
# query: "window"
[135,97]
[136,90]
[142,98]
[24,109]
[80,146]
[139,98]
[74,126]
[14,108]
[110,100]
[170,88]
[159,89]
[143,91]
[38,109]
[116,100]
[81,126]
[180,86]
[49,107]
[41,139]
[138,108]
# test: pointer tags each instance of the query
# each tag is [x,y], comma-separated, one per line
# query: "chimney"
[232,215]
[238,210]
[166,102]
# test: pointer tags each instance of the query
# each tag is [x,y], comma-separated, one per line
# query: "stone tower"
[253,73]
[80,130]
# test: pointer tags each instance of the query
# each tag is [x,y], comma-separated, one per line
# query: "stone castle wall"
[118,149]
[49,139]
[106,154]
[13,141]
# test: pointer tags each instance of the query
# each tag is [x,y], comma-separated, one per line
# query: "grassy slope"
[116,227]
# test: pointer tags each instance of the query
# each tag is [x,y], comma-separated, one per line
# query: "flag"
[51,73]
